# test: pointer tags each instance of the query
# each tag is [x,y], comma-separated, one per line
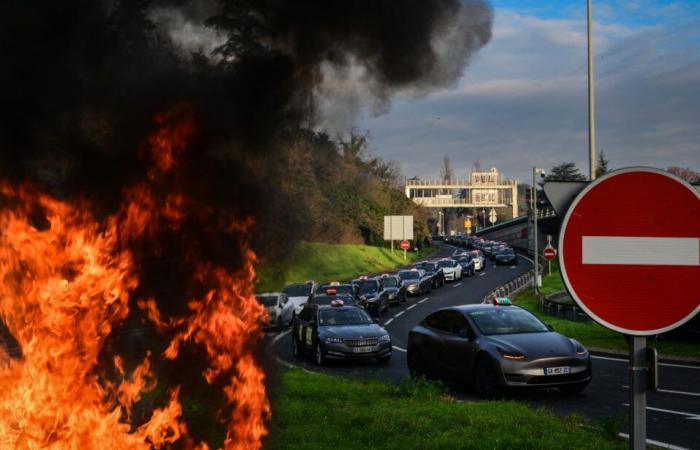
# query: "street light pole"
[536,251]
[591,99]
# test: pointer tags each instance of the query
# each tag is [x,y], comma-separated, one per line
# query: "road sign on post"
[630,257]
[549,253]
[405,245]
[397,228]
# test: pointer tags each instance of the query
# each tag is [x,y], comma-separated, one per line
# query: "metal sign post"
[638,394]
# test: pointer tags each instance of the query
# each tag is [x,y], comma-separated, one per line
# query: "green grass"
[316,411]
[592,334]
[325,262]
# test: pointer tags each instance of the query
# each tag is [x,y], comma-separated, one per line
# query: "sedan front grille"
[361,342]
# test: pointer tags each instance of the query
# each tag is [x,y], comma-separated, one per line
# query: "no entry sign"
[549,253]
[405,245]
[630,251]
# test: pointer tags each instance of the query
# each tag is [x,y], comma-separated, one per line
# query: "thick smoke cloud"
[83,79]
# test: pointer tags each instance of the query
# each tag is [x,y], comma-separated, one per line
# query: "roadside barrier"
[513,287]
[552,305]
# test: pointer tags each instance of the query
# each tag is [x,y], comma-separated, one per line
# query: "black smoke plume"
[83,80]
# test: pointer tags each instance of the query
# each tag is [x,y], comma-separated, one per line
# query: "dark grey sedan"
[496,347]
[336,331]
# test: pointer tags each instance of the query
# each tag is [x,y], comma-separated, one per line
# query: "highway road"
[673,413]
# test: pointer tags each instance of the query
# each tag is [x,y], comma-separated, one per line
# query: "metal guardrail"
[514,286]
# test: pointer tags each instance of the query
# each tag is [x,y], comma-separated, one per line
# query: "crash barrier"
[557,305]
[513,287]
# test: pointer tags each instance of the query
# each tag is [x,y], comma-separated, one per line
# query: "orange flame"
[66,283]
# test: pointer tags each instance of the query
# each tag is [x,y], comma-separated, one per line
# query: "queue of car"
[494,346]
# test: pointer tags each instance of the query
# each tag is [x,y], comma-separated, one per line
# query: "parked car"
[496,347]
[372,295]
[299,294]
[467,264]
[341,332]
[506,256]
[340,288]
[437,276]
[279,309]
[416,281]
[394,288]
[451,269]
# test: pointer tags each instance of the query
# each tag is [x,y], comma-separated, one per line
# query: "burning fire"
[68,279]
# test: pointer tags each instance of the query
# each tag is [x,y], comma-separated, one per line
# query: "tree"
[685,173]
[446,172]
[565,172]
[355,146]
[601,167]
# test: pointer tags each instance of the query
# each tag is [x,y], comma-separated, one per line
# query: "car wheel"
[384,360]
[486,380]
[296,351]
[318,357]
[416,365]
[573,388]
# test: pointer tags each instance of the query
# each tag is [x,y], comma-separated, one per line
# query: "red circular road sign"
[405,245]
[549,253]
[630,251]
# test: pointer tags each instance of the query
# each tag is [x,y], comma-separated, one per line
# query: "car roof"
[477,307]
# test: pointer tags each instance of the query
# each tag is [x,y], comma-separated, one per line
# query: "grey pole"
[591,99]
[638,396]
[534,220]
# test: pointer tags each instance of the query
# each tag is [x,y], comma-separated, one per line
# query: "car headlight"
[510,355]
[385,338]
[579,348]
[392,296]
[333,340]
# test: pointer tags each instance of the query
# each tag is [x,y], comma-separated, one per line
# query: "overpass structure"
[482,190]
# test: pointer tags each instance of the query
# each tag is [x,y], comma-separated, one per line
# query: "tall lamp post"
[591,99]
[535,252]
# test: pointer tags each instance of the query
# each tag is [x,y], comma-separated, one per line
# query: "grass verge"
[325,262]
[592,334]
[317,411]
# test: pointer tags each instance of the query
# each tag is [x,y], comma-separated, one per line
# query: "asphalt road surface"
[673,413]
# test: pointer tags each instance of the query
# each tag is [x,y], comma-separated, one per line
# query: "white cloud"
[523,101]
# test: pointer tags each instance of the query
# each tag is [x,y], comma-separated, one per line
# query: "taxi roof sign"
[501,301]
[337,302]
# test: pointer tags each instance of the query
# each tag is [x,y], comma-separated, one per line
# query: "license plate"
[557,370]
[362,349]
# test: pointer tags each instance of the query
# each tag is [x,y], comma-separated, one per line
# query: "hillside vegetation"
[325,190]
[324,262]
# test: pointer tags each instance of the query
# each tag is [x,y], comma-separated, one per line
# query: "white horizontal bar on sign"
[641,251]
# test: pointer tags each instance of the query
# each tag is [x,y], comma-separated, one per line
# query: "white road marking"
[647,251]
[457,285]
[680,366]
[411,307]
[399,314]
[513,267]
[525,257]
[656,443]
[670,391]
[398,348]
[482,274]
[689,416]
[424,300]
[388,322]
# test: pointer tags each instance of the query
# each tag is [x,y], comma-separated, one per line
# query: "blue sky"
[522,101]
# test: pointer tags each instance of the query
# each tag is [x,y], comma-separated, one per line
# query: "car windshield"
[390,282]
[297,290]
[327,299]
[428,268]
[267,300]
[409,275]
[344,316]
[446,263]
[464,259]
[506,320]
[368,286]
